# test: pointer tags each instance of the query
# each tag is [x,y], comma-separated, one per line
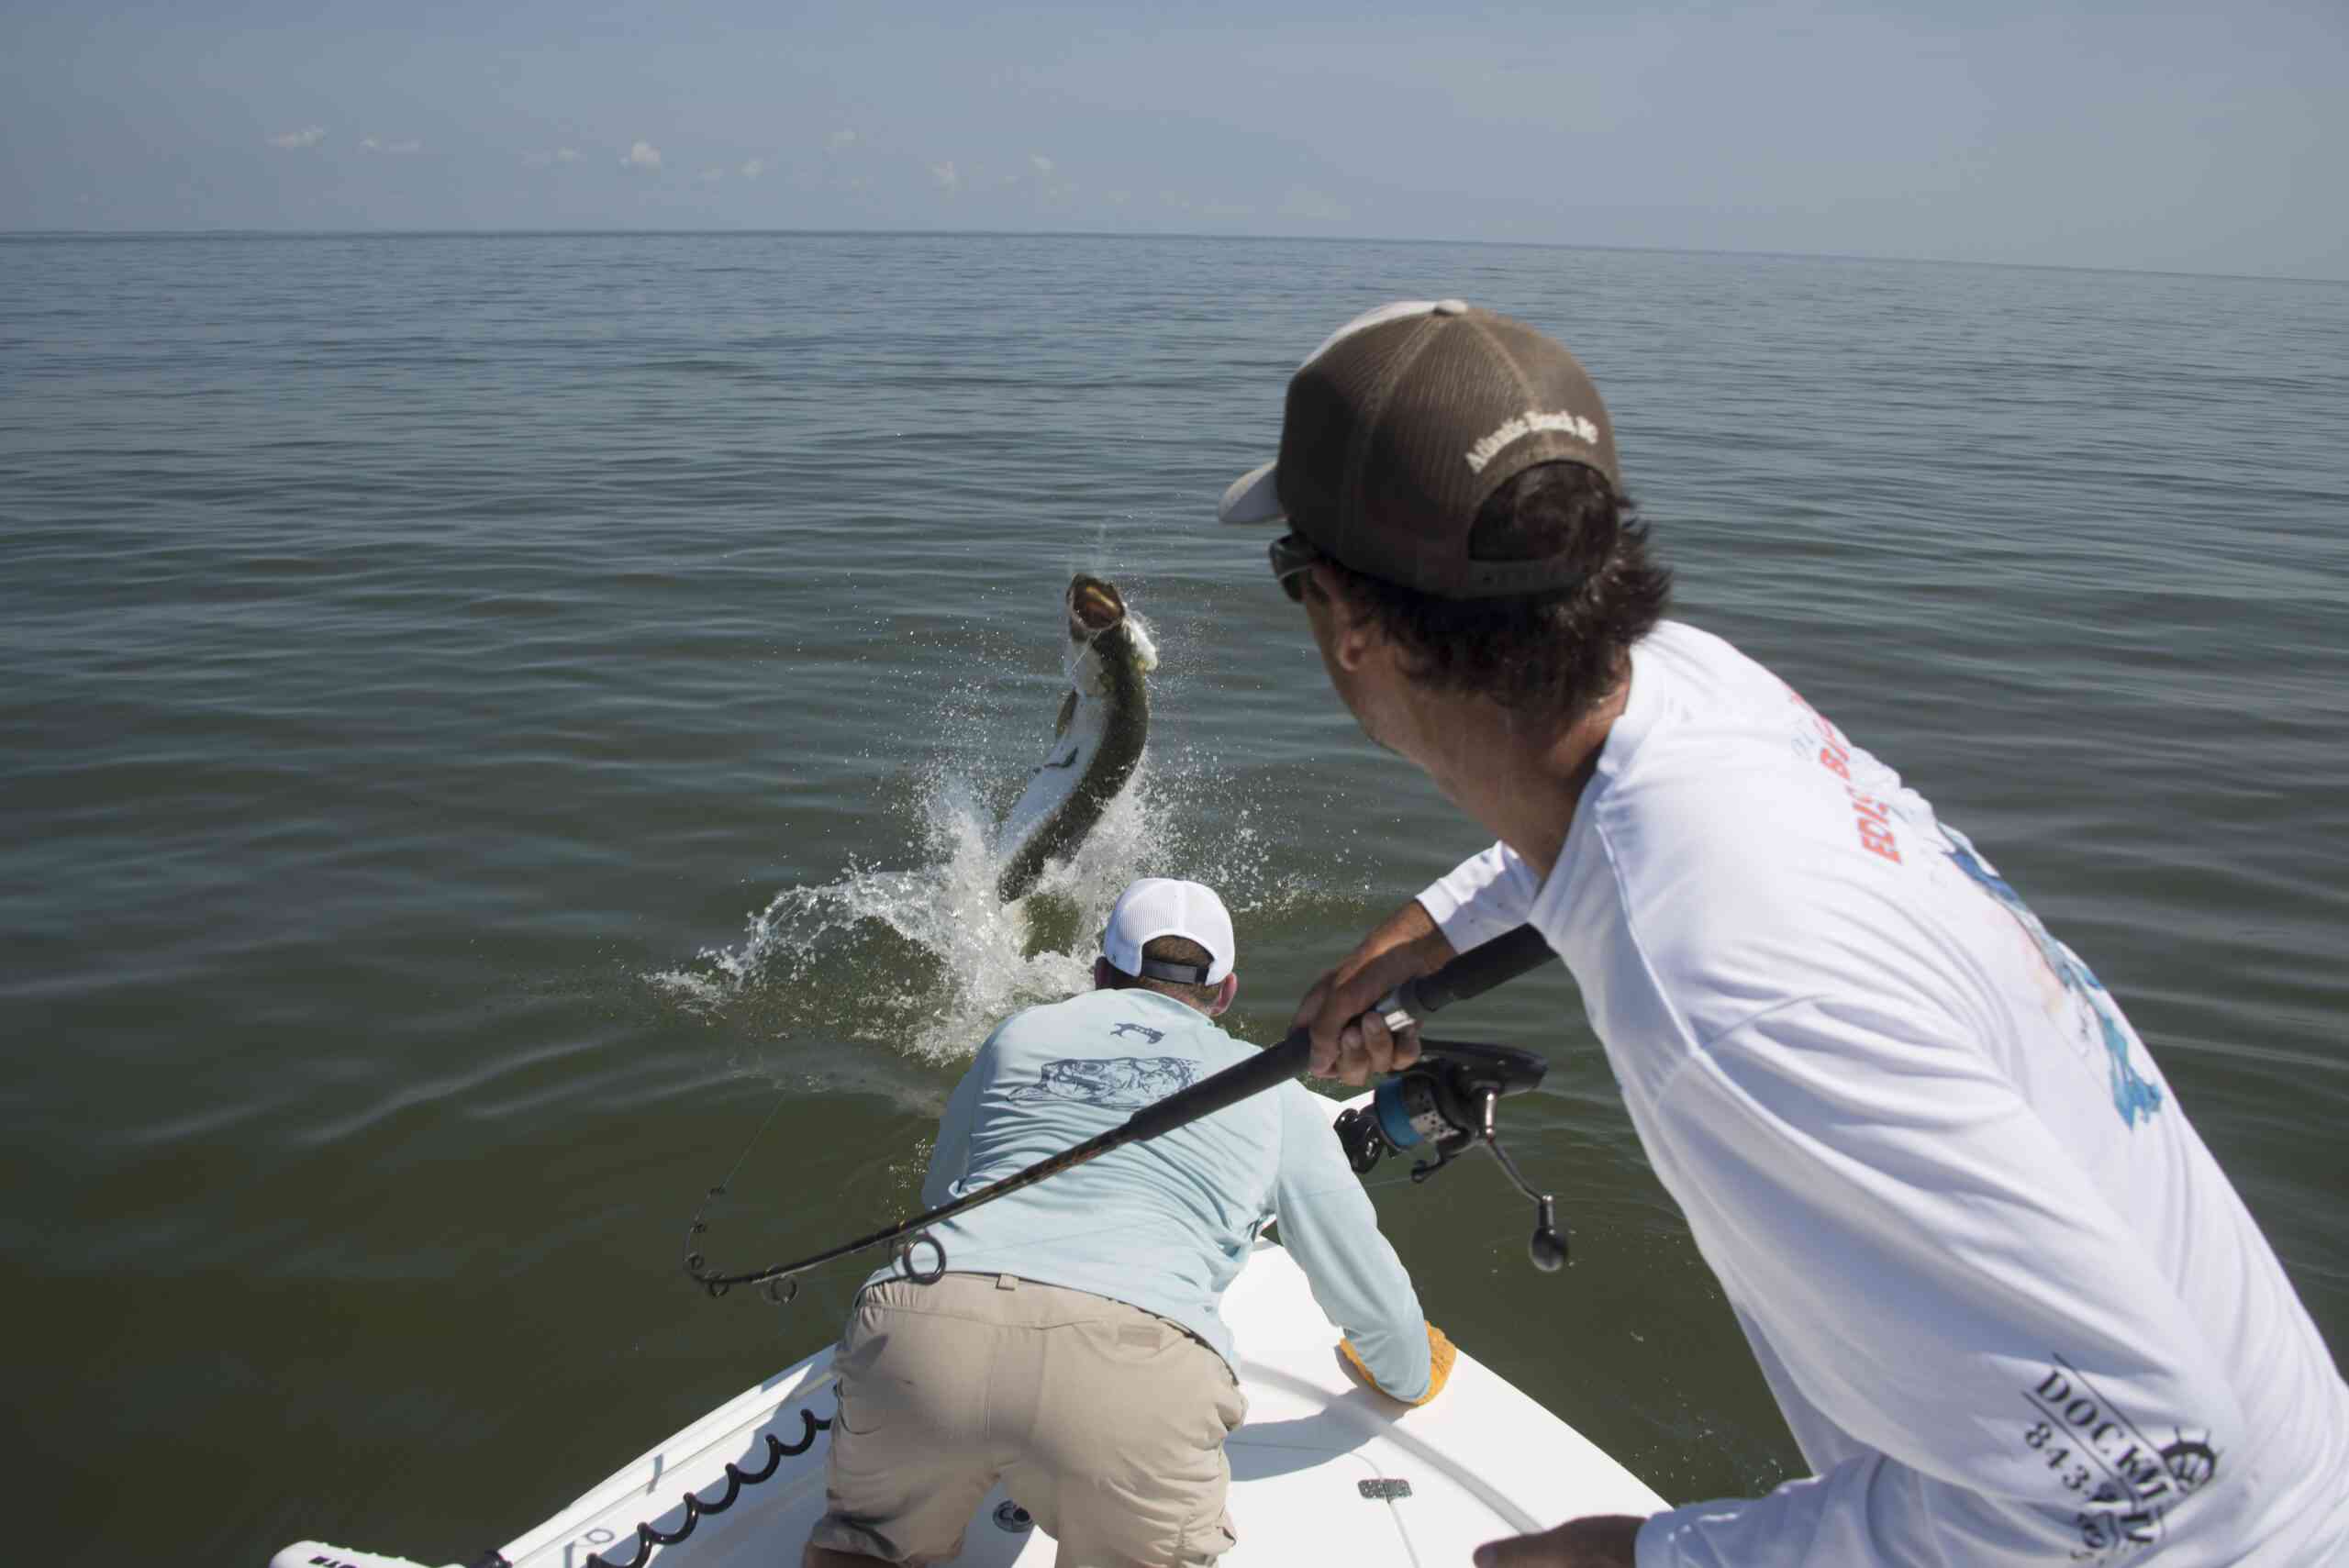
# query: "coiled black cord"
[647,1537]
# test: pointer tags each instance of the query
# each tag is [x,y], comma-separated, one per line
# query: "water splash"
[925,962]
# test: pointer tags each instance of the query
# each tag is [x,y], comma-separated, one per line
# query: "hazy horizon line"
[607,231]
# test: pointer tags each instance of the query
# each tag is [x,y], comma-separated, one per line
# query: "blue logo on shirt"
[2132,1096]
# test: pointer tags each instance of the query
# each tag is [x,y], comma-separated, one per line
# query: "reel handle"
[1548,1248]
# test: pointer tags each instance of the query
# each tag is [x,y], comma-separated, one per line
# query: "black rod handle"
[1472,973]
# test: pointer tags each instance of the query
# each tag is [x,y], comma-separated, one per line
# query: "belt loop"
[1007,1282]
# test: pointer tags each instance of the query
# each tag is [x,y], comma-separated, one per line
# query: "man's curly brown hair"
[1551,656]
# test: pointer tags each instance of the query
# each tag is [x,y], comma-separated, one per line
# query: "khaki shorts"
[1104,1421]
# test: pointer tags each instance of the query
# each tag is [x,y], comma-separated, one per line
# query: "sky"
[2213,139]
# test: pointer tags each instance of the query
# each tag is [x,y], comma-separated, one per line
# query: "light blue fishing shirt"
[1166,1225]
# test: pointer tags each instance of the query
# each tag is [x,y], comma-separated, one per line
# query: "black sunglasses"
[1293,557]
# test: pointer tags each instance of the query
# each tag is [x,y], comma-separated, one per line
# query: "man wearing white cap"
[1073,1348]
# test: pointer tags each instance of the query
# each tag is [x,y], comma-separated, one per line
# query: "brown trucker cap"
[1400,425]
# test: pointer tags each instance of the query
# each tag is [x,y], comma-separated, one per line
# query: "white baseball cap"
[1159,906]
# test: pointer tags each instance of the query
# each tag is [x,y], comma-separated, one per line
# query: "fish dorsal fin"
[1068,711]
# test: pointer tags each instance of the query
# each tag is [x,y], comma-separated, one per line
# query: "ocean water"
[490,721]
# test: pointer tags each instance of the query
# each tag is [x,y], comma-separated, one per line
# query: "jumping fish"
[1103,723]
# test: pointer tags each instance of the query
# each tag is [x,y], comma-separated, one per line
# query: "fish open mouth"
[1094,607]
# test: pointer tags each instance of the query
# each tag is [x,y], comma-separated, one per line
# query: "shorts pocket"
[850,1419]
[919,1373]
[857,1381]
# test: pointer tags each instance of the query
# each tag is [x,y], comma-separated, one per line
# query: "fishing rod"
[1446,1099]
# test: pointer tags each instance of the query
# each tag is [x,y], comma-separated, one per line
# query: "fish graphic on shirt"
[1115,1083]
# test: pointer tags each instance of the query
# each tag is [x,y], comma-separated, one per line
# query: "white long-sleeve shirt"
[2012,1310]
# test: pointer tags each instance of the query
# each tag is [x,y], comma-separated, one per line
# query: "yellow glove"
[1440,1355]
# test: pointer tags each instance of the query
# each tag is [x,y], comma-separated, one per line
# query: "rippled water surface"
[485,716]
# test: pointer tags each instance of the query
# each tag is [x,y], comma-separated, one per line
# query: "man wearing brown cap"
[2011,1306]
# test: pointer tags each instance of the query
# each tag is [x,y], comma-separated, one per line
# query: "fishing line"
[1446,1103]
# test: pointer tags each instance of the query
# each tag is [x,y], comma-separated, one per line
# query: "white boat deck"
[1323,1470]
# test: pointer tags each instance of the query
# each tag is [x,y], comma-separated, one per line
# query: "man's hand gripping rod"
[1470,974]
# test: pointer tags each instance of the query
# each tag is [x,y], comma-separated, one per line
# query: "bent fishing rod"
[1445,1101]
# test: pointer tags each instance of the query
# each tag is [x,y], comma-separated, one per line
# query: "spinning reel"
[1444,1102]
